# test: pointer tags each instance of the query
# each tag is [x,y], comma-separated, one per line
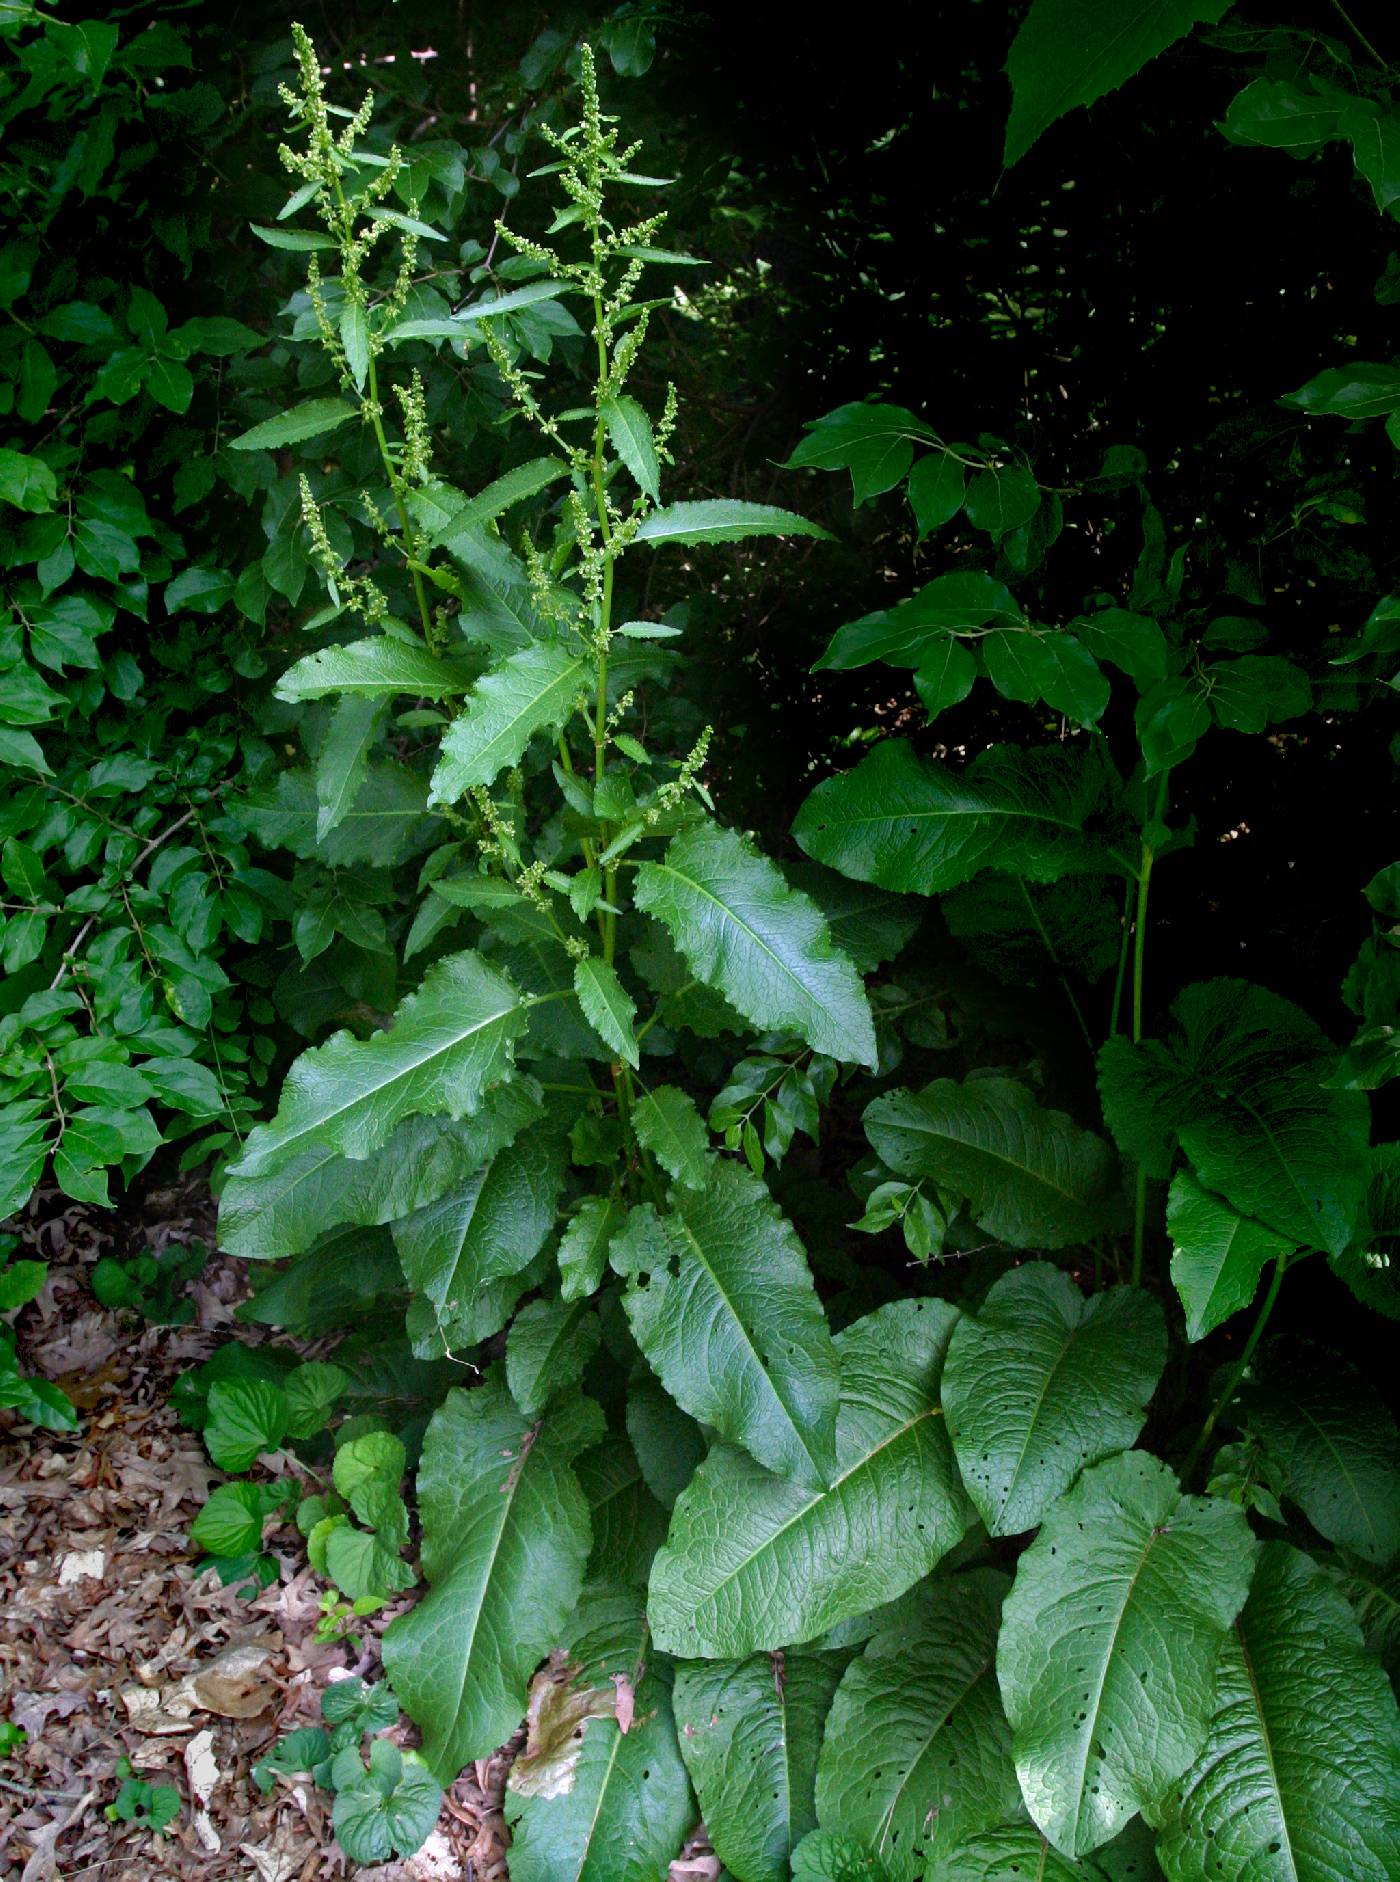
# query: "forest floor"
[112,1647]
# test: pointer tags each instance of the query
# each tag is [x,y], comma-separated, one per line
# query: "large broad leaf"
[505,1539]
[264,1217]
[386,823]
[1041,1383]
[629,1525]
[588,1801]
[375,669]
[487,1228]
[721,1301]
[1031,1177]
[1358,390]
[723,519]
[867,925]
[917,1751]
[1239,1085]
[761,943]
[1336,1445]
[875,443]
[449,1041]
[909,825]
[533,689]
[750,1731]
[1109,1642]
[754,1562]
[1072,52]
[1007,1854]
[1299,1777]
[1217,1254]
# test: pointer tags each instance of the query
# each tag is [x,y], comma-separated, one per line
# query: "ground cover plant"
[793,1321]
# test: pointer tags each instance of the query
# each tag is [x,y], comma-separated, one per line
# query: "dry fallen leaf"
[238,1683]
[81,1565]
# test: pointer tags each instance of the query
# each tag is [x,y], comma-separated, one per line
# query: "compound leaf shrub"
[888,1578]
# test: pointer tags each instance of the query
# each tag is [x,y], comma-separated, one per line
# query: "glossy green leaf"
[1042,1382]
[607,1006]
[721,1301]
[754,1562]
[1005,1855]
[630,434]
[750,1731]
[1000,500]
[1298,1778]
[912,826]
[376,668]
[762,944]
[550,1343]
[668,1124]
[512,487]
[873,442]
[583,1247]
[450,1041]
[1239,1086]
[1109,1642]
[722,519]
[1055,668]
[905,635]
[937,486]
[1358,390]
[917,1752]
[531,690]
[505,1539]
[1072,52]
[310,419]
[1132,642]
[1217,1254]
[1031,1177]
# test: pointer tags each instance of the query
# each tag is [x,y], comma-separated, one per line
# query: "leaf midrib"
[960,1698]
[1266,1741]
[504,733]
[999,1156]
[804,994]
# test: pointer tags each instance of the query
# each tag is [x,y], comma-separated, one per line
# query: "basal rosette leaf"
[1299,1775]
[1041,1382]
[506,1535]
[1109,1642]
[762,944]
[754,1562]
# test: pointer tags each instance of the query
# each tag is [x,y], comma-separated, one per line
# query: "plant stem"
[1237,1371]
[1144,882]
[1358,35]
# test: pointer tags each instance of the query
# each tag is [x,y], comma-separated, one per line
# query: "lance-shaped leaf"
[376,669]
[723,519]
[505,1538]
[915,827]
[1239,1086]
[721,1301]
[1031,1176]
[266,1216]
[550,1343]
[463,322]
[762,944]
[917,1751]
[668,1124]
[1109,1641]
[583,1247]
[1217,1254]
[532,689]
[448,1043]
[486,1228]
[1071,52]
[754,1562]
[621,1810]
[1335,1443]
[514,486]
[607,1006]
[1041,1383]
[629,433]
[1299,1775]
[342,764]
[750,1731]
[307,420]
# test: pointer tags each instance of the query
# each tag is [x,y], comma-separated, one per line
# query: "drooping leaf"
[1109,1641]
[917,1751]
[505,1539]
[937,487]
[450,1041]
[762,944]
[1042,1382]
[1000,499]
[668,1124]
[722,519]
[1073,52]
[630,434]
[1217,1254]
[607,1006]
[342,764]
[668,1442]
[902,636]
[750,1731]
[385,824]
[308,420]
[1239,1086]
[721,1301]
[1300,1772]
[625,1807]
[1030,1176]
[754,1562]
[376,668]
[914,827]
[629,1525]
[1336,1446]
[530,690]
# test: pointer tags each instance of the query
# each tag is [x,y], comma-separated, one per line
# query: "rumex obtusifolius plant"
[837,1636]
